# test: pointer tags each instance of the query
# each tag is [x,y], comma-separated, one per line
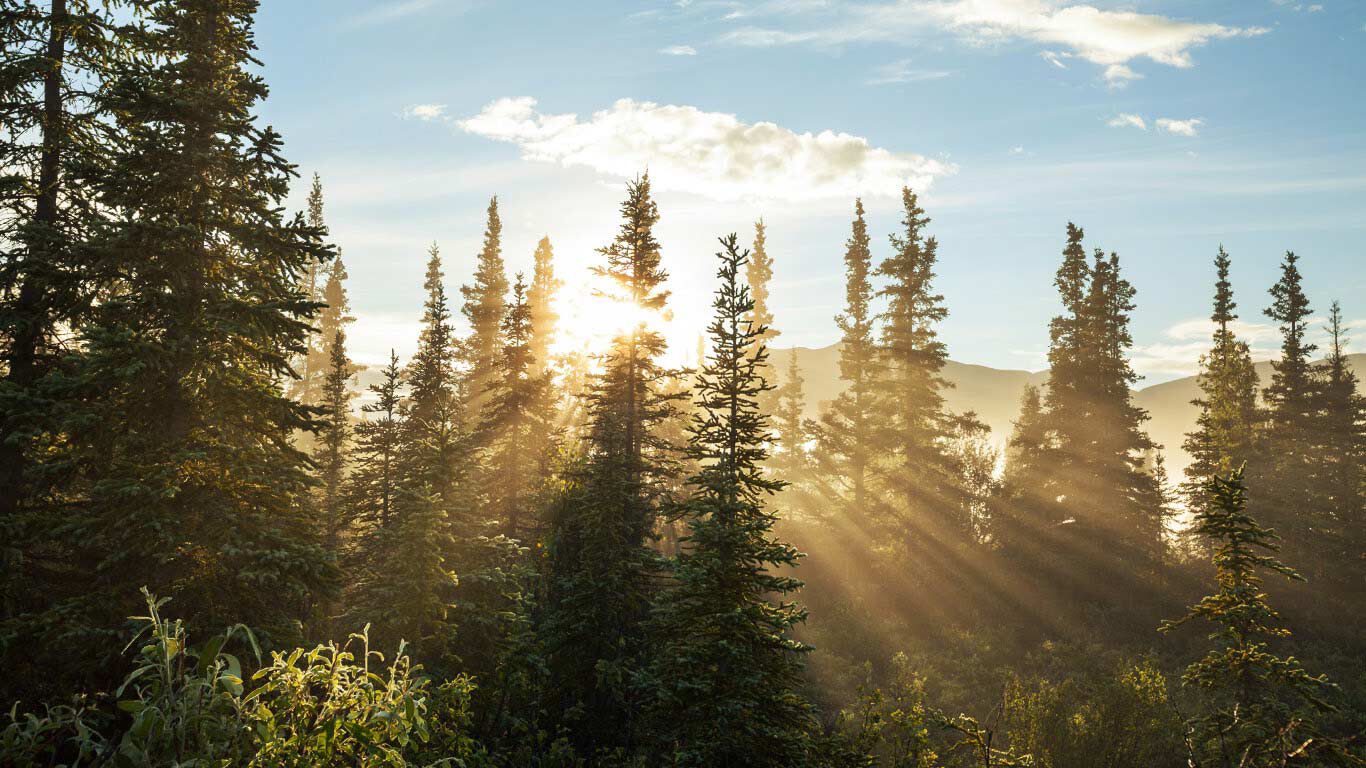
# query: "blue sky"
[1163,128]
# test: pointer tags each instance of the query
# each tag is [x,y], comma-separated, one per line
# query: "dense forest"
[216,551]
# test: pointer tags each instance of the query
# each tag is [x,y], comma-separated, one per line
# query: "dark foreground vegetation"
[513,558]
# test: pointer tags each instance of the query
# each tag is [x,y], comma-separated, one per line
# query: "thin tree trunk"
[33,320]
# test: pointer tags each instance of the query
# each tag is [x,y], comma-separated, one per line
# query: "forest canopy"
[219,549]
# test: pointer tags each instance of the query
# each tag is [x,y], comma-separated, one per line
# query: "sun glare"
[590,320]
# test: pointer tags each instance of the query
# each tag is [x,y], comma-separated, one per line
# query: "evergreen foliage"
[484,302]
[1262,706]
[845,429]
[180,431]
[602,573]
[927,500]
[540,298]
[1227,427]
[725,681]
[331,452]
[1295,503]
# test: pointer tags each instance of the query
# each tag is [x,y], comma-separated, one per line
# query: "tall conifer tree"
[845,429]
[1101,507]
[1343,447]
[516,429]
[433,416]
[1226,428]
[922,475]
[1260,708]
[726,681]
[195,490]
[485,300]
[313,364]
[333,445]
[56,133]
[540,298]
[758,275]
[602,570]
[1293,503]
[373,491]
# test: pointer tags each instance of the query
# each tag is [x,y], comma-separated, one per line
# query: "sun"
[590,320]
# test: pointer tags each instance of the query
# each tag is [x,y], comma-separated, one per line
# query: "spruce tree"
[845,430]
[601,569]
[194,489]
[791,459]
[434,440]
[1260,708]
[333,446]
[483,309]
[56,134]
[540,297]
[923,478]
[516,430]
[1342,436]
[725,682]
[1226,428]
[758,275]
[373,485]
[1100,504]
[1294,503]
[312,366]
[1020,518]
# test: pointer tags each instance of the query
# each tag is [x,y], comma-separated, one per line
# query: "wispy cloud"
[1189,127]
[902,72]
[1109,38]
[1294,6]
[424,112]
[1126,120]
[1055,58]
[1119,75]
[678,50]
[713,154]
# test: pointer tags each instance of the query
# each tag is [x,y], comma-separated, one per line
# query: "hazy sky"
[1162,128]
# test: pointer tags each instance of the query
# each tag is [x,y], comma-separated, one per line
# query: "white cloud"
[678,50]
[1126,120]
[1297,7]
[1055,58]
[424,112]
[1109,38]
[1017,150]
[902,72]
[1119,75]
[712,154]
[1189,127]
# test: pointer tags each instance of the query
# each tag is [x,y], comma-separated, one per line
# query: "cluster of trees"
[582,564]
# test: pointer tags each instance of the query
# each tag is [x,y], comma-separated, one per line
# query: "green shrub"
[189,707]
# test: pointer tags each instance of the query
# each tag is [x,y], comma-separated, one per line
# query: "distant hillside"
[995,395]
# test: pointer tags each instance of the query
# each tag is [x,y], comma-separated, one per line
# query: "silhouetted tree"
[845,430]
[183,429]
[1226,429]
[926,496]
[725,681]
[485,300]
[601,570]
